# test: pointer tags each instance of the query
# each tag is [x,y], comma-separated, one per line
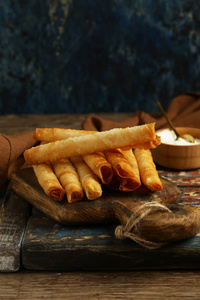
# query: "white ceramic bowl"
[180,157]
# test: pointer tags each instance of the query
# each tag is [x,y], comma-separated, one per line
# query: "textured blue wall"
[75,56]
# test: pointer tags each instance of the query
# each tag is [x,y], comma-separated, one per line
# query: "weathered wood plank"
[14,213]
[50,246]
[119,285]
[96,248]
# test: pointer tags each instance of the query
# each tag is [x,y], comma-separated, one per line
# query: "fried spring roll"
[125,167]
[89,181]
[96,161]
[128,154]
[100,166]
[147,168]
[142,136]
[122,184]
[128,184]
[119,163]
[48,181]
[56,134]
[69,179]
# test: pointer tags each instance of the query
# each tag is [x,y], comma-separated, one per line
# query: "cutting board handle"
[153,224]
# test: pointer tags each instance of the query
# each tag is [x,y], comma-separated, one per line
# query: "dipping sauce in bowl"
[168,137]
[177,153]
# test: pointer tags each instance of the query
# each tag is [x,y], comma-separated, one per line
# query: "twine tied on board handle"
[153,224]
[122,232]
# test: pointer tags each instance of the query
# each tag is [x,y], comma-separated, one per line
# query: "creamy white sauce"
[169,137]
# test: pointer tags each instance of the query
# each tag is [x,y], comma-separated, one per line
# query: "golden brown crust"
[125,167]
[129,184]
[147,168]
[142,136]
[134,182]
[100,166]
[119,163]
[48,181]
[57,134]
[89,181]
[69,179]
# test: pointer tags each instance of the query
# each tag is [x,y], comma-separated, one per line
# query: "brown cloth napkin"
[183,110]
[11,153]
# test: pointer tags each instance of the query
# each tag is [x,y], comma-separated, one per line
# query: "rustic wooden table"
[135,284]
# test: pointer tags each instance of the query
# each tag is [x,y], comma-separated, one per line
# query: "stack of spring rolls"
[77,162]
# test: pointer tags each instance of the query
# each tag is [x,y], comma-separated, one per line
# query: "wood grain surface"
[14,214]
[50,246]
[140,285]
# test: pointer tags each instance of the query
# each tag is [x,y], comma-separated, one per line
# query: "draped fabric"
[183,110]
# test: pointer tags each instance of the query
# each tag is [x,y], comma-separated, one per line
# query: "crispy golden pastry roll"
[69,179]
[142,136]
[128,184]
[126,176]
[96,161]
[48,181]
[100,166]
[128,154]
[119,163]
[147,168]
[88,179]
[56,134]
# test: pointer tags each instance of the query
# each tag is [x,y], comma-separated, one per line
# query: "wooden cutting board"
[115,207]
[101,210]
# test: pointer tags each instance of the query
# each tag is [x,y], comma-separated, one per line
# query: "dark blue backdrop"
[82,56]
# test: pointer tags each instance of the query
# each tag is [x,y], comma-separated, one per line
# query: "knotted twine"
[122,232]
